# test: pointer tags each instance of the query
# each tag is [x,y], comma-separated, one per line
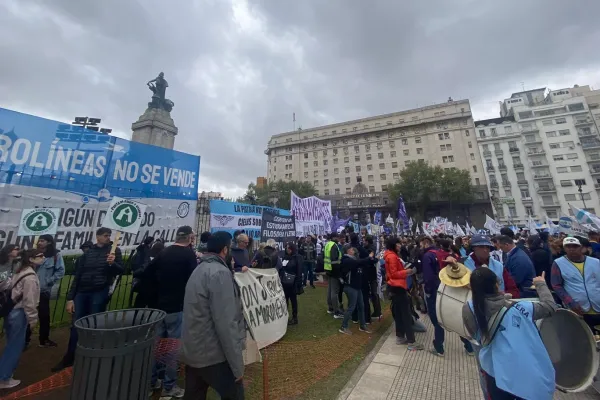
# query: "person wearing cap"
[89,289]
[576,281]
[168,273]
[332,258]
[512,359]
[49,273]
[480,257]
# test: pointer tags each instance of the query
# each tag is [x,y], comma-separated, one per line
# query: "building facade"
[373,151]
[542,154]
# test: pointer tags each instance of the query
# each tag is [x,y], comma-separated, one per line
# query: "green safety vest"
[327,256]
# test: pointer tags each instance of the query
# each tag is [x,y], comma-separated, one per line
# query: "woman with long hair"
[7,255]
[25,296]
[49,273]
[397,277]
[506,330]
[291,278]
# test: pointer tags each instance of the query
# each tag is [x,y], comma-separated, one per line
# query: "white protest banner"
[39,221]
[492,225]
[265,308]
[313,211]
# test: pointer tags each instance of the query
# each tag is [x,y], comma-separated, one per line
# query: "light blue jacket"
[494,265]
[50,272]
[583,289]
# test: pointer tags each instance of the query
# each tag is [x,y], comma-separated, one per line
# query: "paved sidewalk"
[396,373]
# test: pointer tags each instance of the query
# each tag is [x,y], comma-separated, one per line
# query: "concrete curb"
[353,381]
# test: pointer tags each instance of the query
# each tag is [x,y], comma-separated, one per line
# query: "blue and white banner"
[230,217]
[45,163]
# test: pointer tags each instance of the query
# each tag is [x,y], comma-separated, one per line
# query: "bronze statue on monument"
[159,86]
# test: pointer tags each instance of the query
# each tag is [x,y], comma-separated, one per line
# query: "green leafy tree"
[421,184]
[262,196]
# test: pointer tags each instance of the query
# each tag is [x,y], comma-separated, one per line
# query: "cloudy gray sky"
[238,69]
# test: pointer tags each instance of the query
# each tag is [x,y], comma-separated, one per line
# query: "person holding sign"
[89,291]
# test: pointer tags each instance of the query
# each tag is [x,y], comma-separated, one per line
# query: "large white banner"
[77,173]
[313,215]
[265,308]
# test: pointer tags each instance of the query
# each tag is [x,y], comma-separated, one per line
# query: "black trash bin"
[115,353]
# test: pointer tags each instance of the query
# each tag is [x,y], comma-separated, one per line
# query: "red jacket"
[394,270]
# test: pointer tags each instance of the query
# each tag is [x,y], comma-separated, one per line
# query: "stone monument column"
[155,126]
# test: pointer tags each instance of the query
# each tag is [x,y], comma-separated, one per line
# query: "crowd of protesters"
[366,269]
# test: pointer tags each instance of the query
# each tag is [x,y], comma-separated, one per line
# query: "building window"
[336,181]
[580,182]
[306,174]
[358,168]
[347,170]
[393,153]
[382,166]
[551,134]
[367,147]
[393,143]
[337,191]
[335,160]
[335,152]
[315,183]
[347,181]
[324,152]
[558,158]
[394,164]
[348,191]
[315,154]
[305,155]
[418,140]
[576,168]
[357,158]
[370,178]
[405,152]
[346,160]
[316,173]
[474,168]
[562,170]
[326,182]
[315,163]
[396,176]
[404,142]
[380,156]
[560,121]
[419,150]
[336,171]
[356,149]
[382,177]
[554,145]
[326,192]
[447,159]
[370,167]
[566,183]
[368,157]
[477,181]
[470,145]
[576,107]
[305,165]
[371,189]
[472,156]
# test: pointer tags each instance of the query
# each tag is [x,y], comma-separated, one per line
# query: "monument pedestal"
[155,127]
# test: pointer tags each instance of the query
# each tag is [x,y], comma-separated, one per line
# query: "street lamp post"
[580,190]
[90,124]
[274,197]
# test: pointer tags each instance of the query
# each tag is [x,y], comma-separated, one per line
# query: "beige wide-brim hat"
[455,275]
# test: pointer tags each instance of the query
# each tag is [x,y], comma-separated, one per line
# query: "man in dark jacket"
[308,250]
[89,290]
[140,260]
[519,266]
[352,276]
[169,273]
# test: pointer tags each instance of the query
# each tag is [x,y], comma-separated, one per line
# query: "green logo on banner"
[39,221]
[125,215]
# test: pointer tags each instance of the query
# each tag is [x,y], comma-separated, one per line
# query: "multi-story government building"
[542,153]
[353,163]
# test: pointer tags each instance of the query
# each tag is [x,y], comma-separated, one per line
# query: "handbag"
[288,279]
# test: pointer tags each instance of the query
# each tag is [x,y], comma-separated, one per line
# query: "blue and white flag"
[377,218]
[402,215]
[585,217]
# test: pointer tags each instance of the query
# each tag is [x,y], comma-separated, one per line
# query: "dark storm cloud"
[237,71]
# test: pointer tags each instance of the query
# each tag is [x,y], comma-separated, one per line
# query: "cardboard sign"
[39,221]
[124,215]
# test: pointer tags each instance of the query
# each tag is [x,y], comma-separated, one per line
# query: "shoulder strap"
[495,325]
[21,278]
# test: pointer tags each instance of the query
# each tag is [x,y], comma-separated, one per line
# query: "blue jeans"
[86,304]
[309,272]
[169,328]
[355,299]
[15,327]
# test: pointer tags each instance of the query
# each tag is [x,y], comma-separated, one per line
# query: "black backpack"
[6,301]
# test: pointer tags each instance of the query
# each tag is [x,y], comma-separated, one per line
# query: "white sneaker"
[175,393]
[9,384]
[157,385]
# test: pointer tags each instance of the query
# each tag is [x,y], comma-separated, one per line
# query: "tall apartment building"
[367,155]
[542,153]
